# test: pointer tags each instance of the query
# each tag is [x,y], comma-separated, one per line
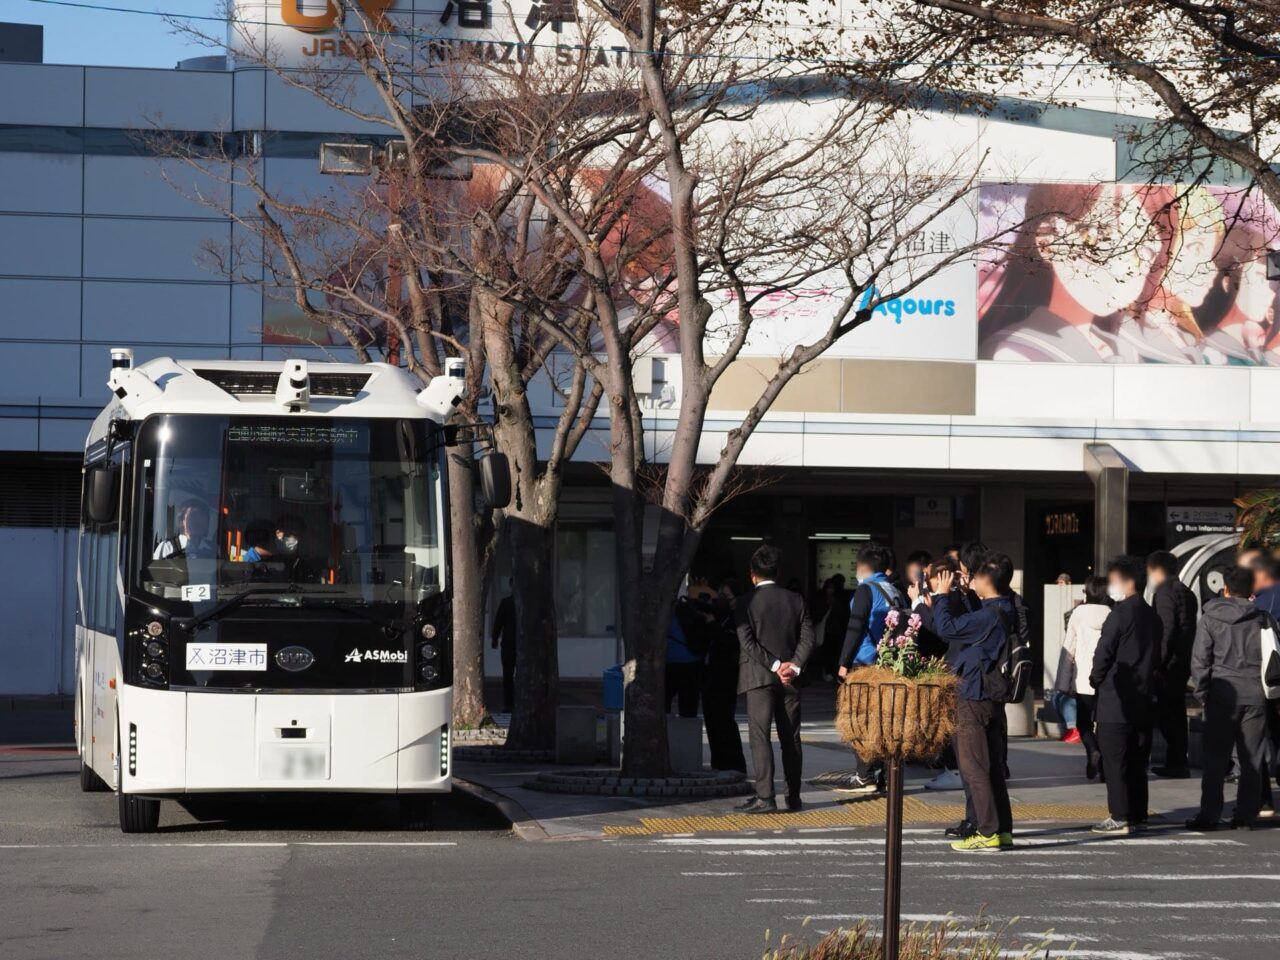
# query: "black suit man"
[775,638]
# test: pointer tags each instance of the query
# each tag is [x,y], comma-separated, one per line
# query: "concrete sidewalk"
[1048,786]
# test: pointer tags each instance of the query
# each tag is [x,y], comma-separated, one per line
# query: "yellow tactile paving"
[859,813]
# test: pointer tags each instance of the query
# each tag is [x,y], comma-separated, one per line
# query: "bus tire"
[417,812]
[90,782]
[138,814]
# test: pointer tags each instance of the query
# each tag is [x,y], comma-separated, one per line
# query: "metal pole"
[893,861]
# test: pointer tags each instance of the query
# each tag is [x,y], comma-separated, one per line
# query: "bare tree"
[1211,68]
[783,182]
[657,184]
[438,253]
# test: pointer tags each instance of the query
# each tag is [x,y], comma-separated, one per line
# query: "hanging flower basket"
[884,715]
[903,706]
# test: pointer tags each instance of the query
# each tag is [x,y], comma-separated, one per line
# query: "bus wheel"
[138,814]
[417,812]
[90,782]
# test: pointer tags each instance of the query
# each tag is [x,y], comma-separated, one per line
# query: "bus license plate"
[281,762]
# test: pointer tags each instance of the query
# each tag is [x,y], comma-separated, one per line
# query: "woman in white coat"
[1084,627]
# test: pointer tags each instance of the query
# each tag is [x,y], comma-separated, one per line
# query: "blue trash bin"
[613,687]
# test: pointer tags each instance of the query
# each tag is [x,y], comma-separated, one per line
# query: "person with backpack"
[871,603]
[1226,668]
[984,642]
[1124,679]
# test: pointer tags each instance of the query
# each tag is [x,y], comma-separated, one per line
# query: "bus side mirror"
[495,480]
[102,493]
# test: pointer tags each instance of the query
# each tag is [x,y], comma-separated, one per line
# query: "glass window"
[339,508]
[586,596]
[105,569]
[88,550]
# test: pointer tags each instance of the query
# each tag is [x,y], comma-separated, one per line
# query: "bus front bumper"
[176,742]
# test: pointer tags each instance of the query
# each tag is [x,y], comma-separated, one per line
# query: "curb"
[522,825]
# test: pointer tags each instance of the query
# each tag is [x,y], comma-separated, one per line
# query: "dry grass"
[947,940]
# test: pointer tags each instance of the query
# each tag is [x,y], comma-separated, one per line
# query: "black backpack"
[1007,678]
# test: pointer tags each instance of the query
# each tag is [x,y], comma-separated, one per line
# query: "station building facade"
[965,410]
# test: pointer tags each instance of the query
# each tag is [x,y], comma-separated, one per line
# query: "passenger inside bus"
[192,539]
[282,545]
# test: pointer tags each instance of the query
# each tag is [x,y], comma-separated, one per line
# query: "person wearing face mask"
[1123,677]
[280,545]
[1176,606]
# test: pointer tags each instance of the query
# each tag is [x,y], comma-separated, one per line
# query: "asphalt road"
[342,882]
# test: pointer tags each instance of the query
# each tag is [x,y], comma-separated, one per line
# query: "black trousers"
[1171,721]
[981,748]
[719,708]
[777,704]
[1244,726]
[1086,710]
[508,677]
[1126,751]
[684,682]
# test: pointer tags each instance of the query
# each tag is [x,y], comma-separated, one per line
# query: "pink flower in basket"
[913,623]
[891,619]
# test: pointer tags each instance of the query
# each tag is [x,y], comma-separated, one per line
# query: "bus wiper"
[192,624]
[356,608]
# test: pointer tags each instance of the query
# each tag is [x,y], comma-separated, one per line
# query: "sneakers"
[1006,840]
[1172,773]
[758,805]
[1267,813]
[1072,735]
[858,785]
[946,780]
[961,831]
[1200,824]
[1112,827]
[979,843]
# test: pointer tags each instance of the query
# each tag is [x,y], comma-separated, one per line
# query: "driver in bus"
[192,540]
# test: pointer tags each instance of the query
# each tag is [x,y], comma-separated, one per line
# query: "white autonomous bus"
[264,589]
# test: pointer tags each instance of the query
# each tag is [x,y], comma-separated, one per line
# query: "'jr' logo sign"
[375,10]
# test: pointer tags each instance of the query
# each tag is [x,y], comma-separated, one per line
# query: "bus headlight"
[155,649]
[428,672]
[153,670]
[428,631]
[154,628]
[428,651]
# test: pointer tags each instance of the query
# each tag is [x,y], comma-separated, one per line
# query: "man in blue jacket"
[977,640]
[871,603]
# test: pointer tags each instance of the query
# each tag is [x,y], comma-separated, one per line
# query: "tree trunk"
[533,721]
[468,593]
[645,750]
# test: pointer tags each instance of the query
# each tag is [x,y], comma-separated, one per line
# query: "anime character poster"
[1124,273]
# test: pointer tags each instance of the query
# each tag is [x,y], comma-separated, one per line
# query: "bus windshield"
[287,509]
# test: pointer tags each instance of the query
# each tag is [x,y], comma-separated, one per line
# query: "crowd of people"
[1126,668]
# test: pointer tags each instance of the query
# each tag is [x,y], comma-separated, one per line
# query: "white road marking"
[1161,877]
[1191,905]
[236,843]
[783,900]
[1066,840]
